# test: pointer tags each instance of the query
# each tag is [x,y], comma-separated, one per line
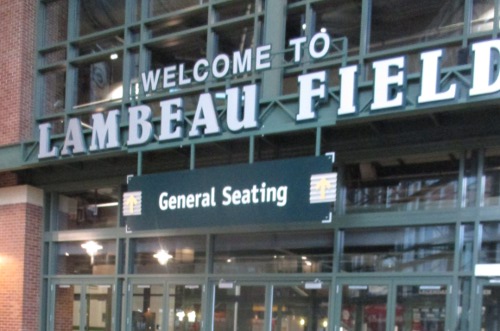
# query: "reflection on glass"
[400,22]
[421,307]
[67,308]
[185,307]
[56,19]
[303,252]
[99,307]
[340,19]
[416,182]
[147,307]
[158,7]
[483,13]
[363,308]
[235,9]
[490,309]
[492,178]
[239,308]
[466,253]
[235,38]
[297,308]
[464,304]
[97,15]
[401,249]
[54,89]
[183,254]
[73,258]
[97,208]
[100,81]
[490,244]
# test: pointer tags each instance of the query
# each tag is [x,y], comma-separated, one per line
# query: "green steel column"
[274,34]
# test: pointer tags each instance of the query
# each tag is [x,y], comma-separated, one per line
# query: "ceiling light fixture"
[162,256]
[91,247]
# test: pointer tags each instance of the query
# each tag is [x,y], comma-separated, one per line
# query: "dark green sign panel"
[295,190]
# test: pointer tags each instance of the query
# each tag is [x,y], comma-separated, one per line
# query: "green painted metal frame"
[276,111]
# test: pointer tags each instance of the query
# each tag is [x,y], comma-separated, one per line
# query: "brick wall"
[20,259]
[17,35]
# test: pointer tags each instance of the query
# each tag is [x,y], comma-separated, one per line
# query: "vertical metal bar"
[462,181]
[365,33]
[317,151]
[468,10]
[268,317]
[251,150]
[192,157]
[139,163]
[274,30]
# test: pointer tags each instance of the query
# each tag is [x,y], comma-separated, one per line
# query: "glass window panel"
[470,178]
[299,308]
[95,15]
[54,90]
[179,23]
[401,249]
[101,44]
[425,307]
[67,308]
[303,252]
[97,208]
[235,38]
[136,10]
[185,311]
[453,55]
[397,23]
[492,177]
[99,81]
[147,307]
[363,308]
[240,308]
[483,13]
[467,251]
[295,28]
[56,22]
[172,255]
[340,19]
[158,7]
[86,257]
[99,307]
[416,182]
[490,244]
[53,56]
[490,312]
[464,304]
[235,9]
[174,51]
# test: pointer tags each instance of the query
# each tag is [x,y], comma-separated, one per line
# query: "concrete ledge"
[21,194]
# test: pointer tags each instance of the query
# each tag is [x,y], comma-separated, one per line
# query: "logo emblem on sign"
[132,203]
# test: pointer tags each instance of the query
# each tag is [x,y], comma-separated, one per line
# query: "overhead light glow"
[162,256]
[91,247]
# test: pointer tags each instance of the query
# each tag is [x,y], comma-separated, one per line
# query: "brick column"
[20,257]
[17,58]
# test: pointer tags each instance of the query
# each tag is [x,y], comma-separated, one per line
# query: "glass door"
[275,306]
[82,306]
[488,312]
[239,307]
[387,305]
[165,305]
[362,305]
[300,307]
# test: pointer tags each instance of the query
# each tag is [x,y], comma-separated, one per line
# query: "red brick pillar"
[17,32]
[20,257]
